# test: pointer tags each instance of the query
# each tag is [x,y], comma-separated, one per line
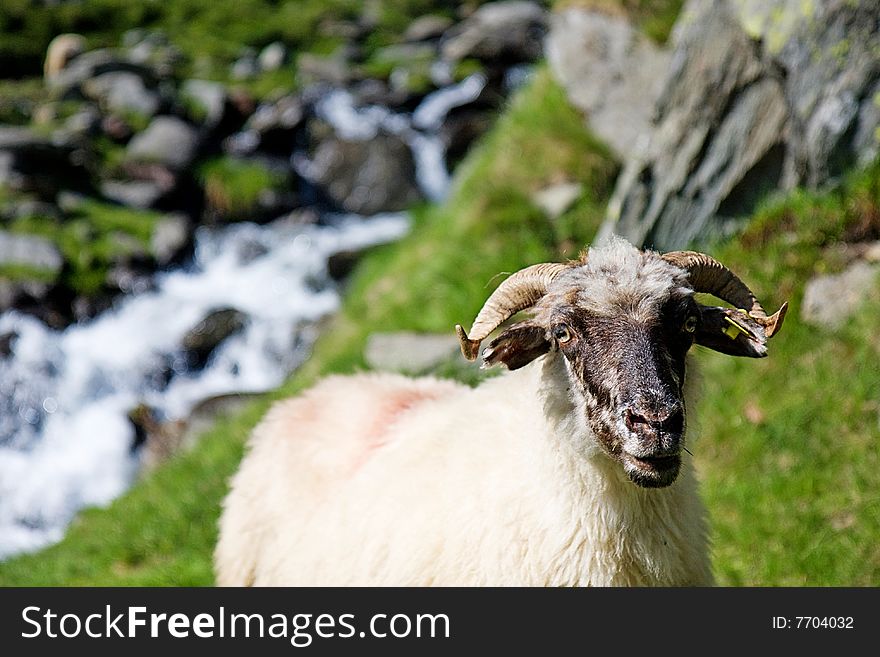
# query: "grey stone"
[171,238]
[411,353]
[244,67]
[208,97]
[610,71]
[92,64]
[122,92]
[760,96]
[425,28]
[510,31]
[30,251]
[133,193]
[272,57]
[367,177]
[831,299]
[201,341]
[168,141]
[557,199]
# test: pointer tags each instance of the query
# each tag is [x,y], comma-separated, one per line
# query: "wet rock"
[410,353]
[499,32]
[7,341]
[335,69]
[760,96]
[207,99]
[133,193]
[67,82]
[275,126]
[171,239]
[245,67]
[122,92]
[34,163]
[30,251]
[168,141]
[427,28]
[201,341]
[610,71]
[342,263]
[462,127]
[367,177]
[272,57]
[831,299]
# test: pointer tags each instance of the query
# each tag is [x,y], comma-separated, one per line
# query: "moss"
[233,187]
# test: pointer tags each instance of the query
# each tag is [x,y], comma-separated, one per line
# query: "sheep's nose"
[663,426]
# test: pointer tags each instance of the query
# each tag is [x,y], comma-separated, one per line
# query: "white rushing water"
[66,440]
[65,437]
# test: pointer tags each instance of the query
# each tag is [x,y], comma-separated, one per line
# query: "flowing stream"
[65,438]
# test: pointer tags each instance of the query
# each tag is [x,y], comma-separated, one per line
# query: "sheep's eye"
[562,333]
[690,324]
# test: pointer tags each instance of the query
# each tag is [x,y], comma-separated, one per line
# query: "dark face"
[631,371]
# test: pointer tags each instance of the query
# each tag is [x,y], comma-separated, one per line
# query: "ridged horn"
[519,291]
[708,275]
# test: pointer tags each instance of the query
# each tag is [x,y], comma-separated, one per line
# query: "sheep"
[568,470]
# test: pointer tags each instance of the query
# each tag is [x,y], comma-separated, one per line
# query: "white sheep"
[566,471]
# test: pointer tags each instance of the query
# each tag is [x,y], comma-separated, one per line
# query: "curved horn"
[521,290]
[708,275]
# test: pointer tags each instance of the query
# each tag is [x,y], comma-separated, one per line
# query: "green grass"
[233,186]
[789,446]
[163,530]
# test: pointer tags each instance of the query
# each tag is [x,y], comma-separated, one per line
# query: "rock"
[831,299]
[610,71]
[427,28]
[89,65]
[201,341]
[272,57]
[760,96]
[410,353]
[335,69]
[34,163]
[7,340]
[276,125]
[245,67]
[557,199]
[122,92]
[30,251]
[207,99]
[498,32]
[133,193]
[462,127]
[85,123]
[168,141]
[26,208]
[61,50]
[171,239]
[342,263]
[367,177]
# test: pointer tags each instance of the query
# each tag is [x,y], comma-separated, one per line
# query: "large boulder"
[610,71]
[759,96]
[366,177]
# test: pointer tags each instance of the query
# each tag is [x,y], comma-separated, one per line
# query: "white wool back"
[378,479]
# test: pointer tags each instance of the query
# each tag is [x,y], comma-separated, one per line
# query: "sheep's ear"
[730,331]
[517,346]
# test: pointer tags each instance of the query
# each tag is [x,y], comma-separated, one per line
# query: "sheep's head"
[622,320]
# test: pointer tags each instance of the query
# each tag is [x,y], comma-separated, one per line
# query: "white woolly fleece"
[379,479]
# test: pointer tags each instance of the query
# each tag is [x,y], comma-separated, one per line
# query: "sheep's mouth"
[651,471]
